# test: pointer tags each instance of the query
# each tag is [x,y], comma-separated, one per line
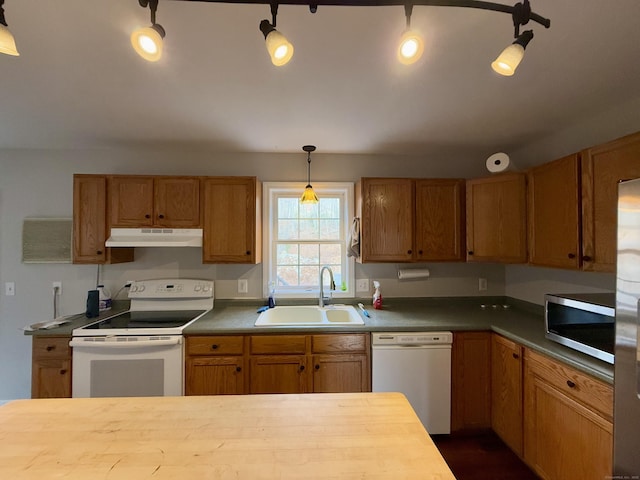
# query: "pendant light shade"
[309,196]
[147,42]
[510,58]
[279,48]
[7,42]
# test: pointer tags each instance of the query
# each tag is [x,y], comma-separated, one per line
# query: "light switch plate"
[482,284]
[362,285]
[10,289]
[243,286]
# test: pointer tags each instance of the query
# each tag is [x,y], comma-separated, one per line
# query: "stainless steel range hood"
[155,237]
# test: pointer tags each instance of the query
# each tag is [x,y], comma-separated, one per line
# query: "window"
[301,239]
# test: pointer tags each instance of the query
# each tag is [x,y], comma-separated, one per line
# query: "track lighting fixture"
[510,58]
[309,196]
[7,42]
[411,43]
[279,48]
[147,41]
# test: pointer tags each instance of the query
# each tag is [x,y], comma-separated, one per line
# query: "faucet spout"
[332,285]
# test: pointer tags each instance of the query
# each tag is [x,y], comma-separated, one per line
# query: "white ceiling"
[78,83]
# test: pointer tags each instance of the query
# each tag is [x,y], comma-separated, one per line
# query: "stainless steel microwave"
[582,321]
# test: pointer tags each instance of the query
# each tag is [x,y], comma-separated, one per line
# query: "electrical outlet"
[482,284]
[243,286]
[59,285]
[362,285]
[10,289]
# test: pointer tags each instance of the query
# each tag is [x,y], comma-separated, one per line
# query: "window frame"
[270,193]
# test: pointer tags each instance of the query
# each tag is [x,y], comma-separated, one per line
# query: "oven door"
[127,366]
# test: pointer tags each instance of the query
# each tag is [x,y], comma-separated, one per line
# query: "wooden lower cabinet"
[471,381]
[51,367]
[277,364]
[506,391]
[568,421]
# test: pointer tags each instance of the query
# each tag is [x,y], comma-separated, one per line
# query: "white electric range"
[140,352]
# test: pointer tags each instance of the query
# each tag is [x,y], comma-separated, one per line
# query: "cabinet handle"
[302,368]
[317,367]
[214,347]
[238,369]
[50,347]
[160,216]
[63,371]
[586,258]
[515,355]
[147,216]
[572,255]
[570,384]
[470,252]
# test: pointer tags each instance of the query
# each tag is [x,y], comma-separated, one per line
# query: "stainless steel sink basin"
[297,315]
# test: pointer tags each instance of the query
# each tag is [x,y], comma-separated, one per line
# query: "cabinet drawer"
[339,343]
[215,345]
[279,344]
[591,392]
[51,347]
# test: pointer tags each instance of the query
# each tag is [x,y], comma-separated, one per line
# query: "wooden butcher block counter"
[252,437]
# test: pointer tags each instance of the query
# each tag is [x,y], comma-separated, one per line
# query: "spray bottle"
[377,296]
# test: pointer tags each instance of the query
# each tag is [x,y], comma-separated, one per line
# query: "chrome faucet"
[332,286]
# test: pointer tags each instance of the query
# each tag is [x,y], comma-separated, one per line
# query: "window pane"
[288,207]
[288,230]
[329,208]
[329,229]
[309,230]
[287,276]
[309,254]
[287,254]
[309,275]
[309,210]
[330,254]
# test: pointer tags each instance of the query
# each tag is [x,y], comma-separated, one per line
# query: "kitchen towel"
[353,243]
[413,273]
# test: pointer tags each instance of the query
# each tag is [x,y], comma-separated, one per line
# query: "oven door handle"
[126,344]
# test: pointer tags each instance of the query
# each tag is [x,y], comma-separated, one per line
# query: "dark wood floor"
[481,456]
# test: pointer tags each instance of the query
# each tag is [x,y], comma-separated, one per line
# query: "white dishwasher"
[417,364]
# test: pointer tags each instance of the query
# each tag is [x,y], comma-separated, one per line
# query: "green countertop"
[521,322]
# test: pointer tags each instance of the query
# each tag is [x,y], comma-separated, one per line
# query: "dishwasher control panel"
[412,338]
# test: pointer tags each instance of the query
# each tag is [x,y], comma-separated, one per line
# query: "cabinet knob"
[147,216]
[470,252]
[515,355]
[317,367]
[160,216]
[99,252]
[248,252]
[302,368]
[586,258]
[571,255]
[570,384]
[419,252]
[50,347]
[63,371]
[238,369]
[214,346]
[409,252]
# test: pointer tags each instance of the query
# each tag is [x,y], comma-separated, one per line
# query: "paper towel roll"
[499,162]
[413,273]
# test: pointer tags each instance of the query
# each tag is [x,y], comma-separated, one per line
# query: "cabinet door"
[506,391]
[386,219]
[215,376]
[89,218]
[602,168]
[279,374]
[231,220]
[177,202]
[131,201]
[50,367]
[496,219]
[554,214]
[471,381]
[340,373]
[440,226]
[563,439]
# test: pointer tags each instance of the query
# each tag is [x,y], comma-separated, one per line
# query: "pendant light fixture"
[411,43]
[279,48]
[147,41]
[7,42]
[510,58]
[309,196]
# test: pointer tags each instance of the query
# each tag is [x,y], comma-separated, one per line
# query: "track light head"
[279,48]
[147,41]
[510,58]
[411,44]
[7,42]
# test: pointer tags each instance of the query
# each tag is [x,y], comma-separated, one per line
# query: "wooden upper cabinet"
[140,201]
[440,221]
[406,220]
[386,209]
[554,213]
[602,168]
[90,223]
[232,223]
[496,219]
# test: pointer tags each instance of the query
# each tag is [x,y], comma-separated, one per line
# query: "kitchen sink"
[297,315]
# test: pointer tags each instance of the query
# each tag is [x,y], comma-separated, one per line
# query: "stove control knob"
[205,288]
[198,288]
[134,288]
[141,288]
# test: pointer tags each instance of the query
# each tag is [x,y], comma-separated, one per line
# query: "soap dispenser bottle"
[272,294]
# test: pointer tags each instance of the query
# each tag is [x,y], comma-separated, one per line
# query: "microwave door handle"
[126,344]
